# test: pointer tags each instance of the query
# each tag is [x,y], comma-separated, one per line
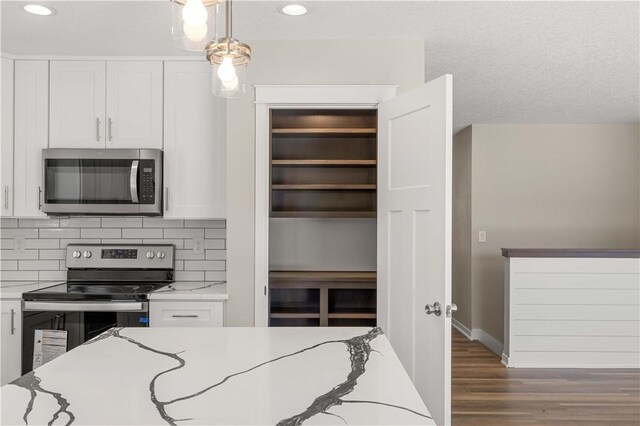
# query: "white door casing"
[414,235]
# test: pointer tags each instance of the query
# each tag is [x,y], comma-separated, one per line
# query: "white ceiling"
[513,62]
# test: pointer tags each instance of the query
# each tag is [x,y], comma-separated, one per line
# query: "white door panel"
[6,144]
[414,236]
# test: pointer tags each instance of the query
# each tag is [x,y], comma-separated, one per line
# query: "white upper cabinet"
[77,104]
[194,143]
[134,104]
[31,130]
[6,141]
[106,104]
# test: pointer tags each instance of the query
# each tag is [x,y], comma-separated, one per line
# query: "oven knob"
[76,254]
[160,255]
[150,254]
[87,254]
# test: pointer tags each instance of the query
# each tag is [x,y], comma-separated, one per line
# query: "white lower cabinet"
[186,313]
[11,336]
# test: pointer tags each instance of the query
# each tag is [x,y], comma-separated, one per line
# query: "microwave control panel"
[147,182]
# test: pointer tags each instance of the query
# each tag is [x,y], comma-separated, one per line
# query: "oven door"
[101,181]
[82,320]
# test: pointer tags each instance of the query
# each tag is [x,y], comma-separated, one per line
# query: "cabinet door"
[11,336]
[134,104]
[31,126]
[77,104]
[6,142]
[194,143]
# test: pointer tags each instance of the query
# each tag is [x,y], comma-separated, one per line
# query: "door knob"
[451,309]
[436,309]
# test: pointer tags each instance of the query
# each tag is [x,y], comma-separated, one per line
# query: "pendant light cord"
[229,14]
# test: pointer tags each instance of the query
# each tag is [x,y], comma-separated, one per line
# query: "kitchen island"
[216,376]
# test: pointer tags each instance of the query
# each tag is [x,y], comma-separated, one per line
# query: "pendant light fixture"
[229,59]
[194,23]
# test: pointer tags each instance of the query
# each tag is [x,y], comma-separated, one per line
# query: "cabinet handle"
[184,316]
[166,198]
[98,129]
[110,129]
[13,321]
[6,197]
[39,198]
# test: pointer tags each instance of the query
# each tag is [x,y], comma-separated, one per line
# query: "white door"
[11,336]
[194,144]
[414,236]
[77,104]
[31,130]
[6,144]
[134,104]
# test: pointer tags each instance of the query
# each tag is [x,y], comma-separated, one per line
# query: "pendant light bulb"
[195,33]
[194,13]
[226,71]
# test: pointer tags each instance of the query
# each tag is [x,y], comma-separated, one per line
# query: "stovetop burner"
[94,291]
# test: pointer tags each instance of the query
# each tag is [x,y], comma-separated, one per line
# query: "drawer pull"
[184,316]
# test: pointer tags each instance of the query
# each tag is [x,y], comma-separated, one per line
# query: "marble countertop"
[568,252]
[192,290]
[216,376]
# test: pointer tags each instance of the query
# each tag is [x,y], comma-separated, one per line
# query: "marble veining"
[173,411]
[172,287]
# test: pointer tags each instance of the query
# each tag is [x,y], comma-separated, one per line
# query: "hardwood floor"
[484,392]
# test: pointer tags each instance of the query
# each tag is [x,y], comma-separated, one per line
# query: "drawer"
[186,314]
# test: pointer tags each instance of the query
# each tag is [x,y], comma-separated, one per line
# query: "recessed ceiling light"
[294,9]
[38,9]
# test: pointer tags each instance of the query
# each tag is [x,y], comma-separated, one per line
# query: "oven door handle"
[85,306]
[133,181]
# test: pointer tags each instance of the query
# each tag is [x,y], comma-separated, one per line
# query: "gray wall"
[548,186]
[461,241]
[47,239]
[294,62]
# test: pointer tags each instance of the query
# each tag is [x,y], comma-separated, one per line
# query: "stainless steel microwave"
[102,182]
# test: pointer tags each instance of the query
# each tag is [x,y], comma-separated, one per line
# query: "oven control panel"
[157,256]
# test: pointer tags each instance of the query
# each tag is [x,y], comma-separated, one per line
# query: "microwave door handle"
[133,181]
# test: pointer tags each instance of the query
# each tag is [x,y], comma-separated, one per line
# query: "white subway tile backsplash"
[178,242]
[60,233]
[8,265]
[101,233]
[8,223]
[221,223]
[15,254]
[158,222]
[52,275]
[122,222]
[42,243]
[39,223]
[216,233]
[53,254]
[19,275]
[204,265]
[189,275]
[142,233]
[38,265]
[47,239]
[80,222]
[20,232]
[215,254]
[183,232]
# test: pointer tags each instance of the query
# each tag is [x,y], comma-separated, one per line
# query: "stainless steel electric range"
[107,286]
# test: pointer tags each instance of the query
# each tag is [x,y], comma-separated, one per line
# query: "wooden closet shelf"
[325,131]
[294,315]
[331,214]
[354,315]
[323,187]
[324,162]
[355,276]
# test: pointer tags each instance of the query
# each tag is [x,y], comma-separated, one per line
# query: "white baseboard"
[488,340]
[505,360]
[481,336]
[461,328]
